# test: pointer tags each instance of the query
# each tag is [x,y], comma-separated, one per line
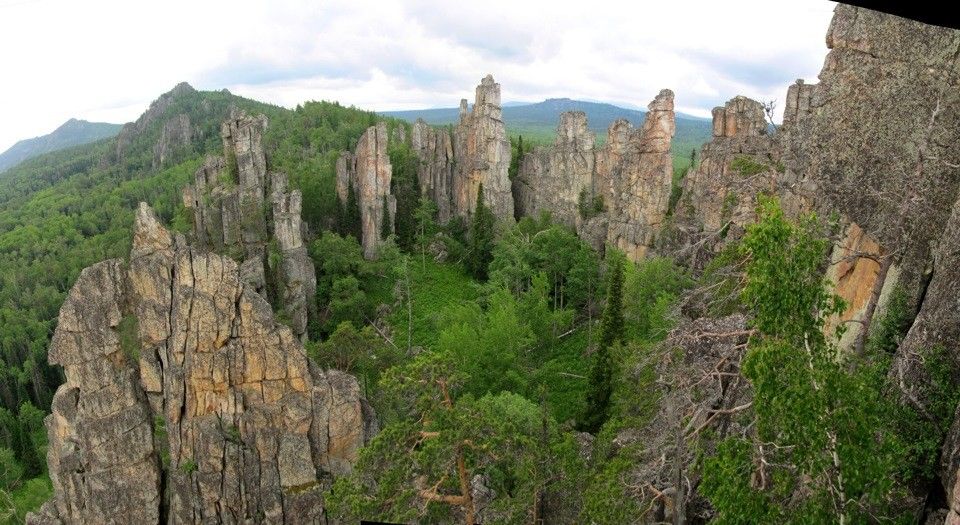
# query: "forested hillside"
[72,133]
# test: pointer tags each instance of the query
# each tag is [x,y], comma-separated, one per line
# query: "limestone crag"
[434,149]
[369,172]
[241,209]
[482,155]
[642,187]
[552,178]
[212,414]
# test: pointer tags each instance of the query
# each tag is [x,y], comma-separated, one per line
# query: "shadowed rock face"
[434,148]
[241,209]
[252,431]
[369,172]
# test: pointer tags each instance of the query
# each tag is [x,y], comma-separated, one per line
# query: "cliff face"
[642,190]
[242,210]
[876,139]
[434,149]
[552,178]
[630,175]
[368,172]
[185,401]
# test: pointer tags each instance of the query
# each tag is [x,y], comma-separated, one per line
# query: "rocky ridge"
[617,194]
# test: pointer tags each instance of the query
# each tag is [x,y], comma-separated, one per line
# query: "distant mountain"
[539,121]
[72,133]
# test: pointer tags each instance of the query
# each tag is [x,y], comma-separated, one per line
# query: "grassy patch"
[437,287]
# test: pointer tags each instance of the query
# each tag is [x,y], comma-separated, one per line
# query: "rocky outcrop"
[368,172]
[718,198]
[175,131]
[876,138]
[482,155]
[617,194]
[177,134]
[241,209]
[552,179]
[642,188]
[185,401]
[434,149]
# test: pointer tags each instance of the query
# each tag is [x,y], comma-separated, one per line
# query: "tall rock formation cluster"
[185,402]
[241,209]
[452,166]
[630,175]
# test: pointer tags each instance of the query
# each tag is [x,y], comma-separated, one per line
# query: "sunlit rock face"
[186,401]
[369,172]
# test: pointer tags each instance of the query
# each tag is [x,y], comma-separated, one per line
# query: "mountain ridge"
[73,132]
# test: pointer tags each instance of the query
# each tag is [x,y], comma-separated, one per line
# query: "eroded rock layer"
[185,401]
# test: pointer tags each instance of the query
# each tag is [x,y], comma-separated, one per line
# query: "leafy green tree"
[352,222]
[386,225]
[825,448]
[482,237]
[612,332]
[406,189]
[362,353]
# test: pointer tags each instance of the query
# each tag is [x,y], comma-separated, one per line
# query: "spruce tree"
[611,333]
[480,251]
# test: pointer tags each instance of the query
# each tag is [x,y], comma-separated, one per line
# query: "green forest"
[507,344]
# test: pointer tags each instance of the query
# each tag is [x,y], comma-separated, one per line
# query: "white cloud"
[107,59]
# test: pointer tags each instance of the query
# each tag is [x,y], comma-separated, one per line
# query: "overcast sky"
[105,60]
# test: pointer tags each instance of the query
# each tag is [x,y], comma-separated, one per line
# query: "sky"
[106,60]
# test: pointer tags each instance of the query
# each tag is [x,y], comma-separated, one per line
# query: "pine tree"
[611,333]
[480,251]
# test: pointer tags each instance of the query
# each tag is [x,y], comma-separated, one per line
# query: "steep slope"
[71,133]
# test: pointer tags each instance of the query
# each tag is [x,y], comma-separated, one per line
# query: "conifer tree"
[352,219]
[611,333]
[481,243]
